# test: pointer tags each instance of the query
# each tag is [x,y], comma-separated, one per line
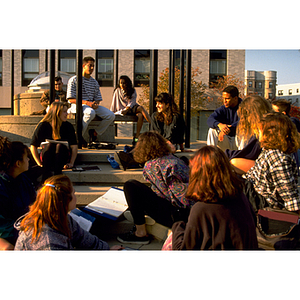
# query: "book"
[47,141]
[110,205]
[83,219]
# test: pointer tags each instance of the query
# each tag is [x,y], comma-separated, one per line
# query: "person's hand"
[95,105]
[224,128]
[124,111]
[221,136]
[116,247]
[68,166]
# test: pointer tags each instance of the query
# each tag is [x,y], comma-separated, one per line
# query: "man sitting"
[223,121]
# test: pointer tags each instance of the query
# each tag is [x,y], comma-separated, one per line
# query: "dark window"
[290,91]
[105,67]
[30,62]
[270,84]
[217,65]
[67,61]
[259,85]
[250,84]
[280,92]
[141,67]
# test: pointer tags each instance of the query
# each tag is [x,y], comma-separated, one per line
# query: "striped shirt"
[90,89]
[275,177]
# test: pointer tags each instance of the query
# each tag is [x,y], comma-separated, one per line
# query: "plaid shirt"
[275,177]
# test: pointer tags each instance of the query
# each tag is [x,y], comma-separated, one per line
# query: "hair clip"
[48,184]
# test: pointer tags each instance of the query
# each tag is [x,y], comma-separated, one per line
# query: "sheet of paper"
[113,202]
[83,222]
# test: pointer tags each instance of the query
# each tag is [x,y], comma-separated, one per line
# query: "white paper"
[83,222]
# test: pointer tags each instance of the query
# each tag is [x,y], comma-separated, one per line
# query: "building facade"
[262,83]
[133,63]
[289,92]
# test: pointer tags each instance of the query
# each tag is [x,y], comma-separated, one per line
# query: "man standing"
[60,95]
[223,120]
[91,97]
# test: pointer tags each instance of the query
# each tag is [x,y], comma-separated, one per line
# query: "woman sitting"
[168,122]
[48,225]
[124,102]
[55,156]
[250,112]
[16,189]
[165,200]
[222,217]
[273,180]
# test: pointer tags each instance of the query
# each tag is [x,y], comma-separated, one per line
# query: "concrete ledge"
[21,128]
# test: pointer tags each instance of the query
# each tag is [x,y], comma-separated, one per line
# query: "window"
[259,85]
[297,91]
[280,92]
[67,61]
[141,67]
[270,95]
[250,84]
[105,67]
[30,69]
[270,85]
[290,91]
[217,65]
[0,67]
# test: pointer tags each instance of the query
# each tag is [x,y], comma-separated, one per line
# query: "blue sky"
[285,62]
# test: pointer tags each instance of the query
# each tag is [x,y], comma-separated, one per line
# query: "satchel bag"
[277,229]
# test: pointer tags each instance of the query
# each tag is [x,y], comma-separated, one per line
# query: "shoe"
[83,143]
[93,135]
[131,238]
[118,159]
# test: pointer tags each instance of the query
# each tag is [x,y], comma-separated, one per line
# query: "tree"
[198,99]
[222,82]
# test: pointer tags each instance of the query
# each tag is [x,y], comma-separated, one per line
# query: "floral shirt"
[169,177]
[275,177]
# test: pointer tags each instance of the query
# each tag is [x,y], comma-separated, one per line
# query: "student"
[48,226]
[223,121]
[165,200]
[60,95]
[55,156]
[91,98]
[124,102]
[168,122]
[16,189]
[273,180]
[250,113]
[222,217]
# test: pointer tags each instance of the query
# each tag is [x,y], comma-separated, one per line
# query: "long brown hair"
[171,110]
[150,145]
[53,118]
[212,178]
[279,132]
[51,207]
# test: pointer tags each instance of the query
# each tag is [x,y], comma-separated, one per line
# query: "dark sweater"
[217,226]
[44,131]
[173,132]
[225,116]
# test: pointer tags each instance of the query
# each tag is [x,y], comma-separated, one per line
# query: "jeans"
[89,114]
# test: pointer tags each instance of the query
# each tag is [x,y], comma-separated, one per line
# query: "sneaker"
[131,238]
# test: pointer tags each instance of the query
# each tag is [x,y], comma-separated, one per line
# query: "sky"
[285,62]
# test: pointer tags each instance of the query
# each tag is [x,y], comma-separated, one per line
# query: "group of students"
[209,202]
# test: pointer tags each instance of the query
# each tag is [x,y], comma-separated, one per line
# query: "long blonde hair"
[251,112]
[53,118]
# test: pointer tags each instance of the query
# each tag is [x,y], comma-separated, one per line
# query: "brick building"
[133,63]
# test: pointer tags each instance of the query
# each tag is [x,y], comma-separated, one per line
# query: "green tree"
[198,99]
